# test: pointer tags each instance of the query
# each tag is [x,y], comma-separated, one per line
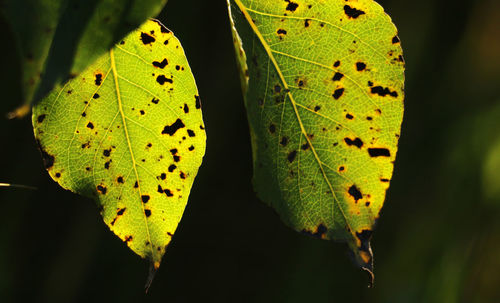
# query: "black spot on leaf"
[352,12]
[355,193]
[40,118]
[272,128]
[338,93]
[161,64]
[291,156]
[162,79]
[383,91]
[356,142]
[171,129]
[360,66]
[101,189]
[147,39]
[292,6]
[319,233]
[145,198]
[147,212]
[98,79]
[337,76]
[379,152]
[172,167]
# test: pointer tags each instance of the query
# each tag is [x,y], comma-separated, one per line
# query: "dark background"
[438,239]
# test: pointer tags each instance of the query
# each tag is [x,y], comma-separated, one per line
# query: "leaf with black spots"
[120,148]
[323,86]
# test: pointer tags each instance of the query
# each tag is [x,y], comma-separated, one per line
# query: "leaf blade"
[102,136]
[317,56]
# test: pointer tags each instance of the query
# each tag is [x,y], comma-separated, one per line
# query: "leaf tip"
[363,254]
[153,267]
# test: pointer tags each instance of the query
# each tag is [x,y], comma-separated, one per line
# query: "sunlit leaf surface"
[128,132]
[325,105]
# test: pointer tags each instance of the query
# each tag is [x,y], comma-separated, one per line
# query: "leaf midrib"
[269,52]
[129,145]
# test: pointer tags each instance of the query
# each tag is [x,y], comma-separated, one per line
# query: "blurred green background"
[438,239]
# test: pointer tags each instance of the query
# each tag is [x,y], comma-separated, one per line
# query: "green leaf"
[129,133]
[325,106]
[57,39]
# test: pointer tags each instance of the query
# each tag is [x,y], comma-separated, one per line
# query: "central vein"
[134,164]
